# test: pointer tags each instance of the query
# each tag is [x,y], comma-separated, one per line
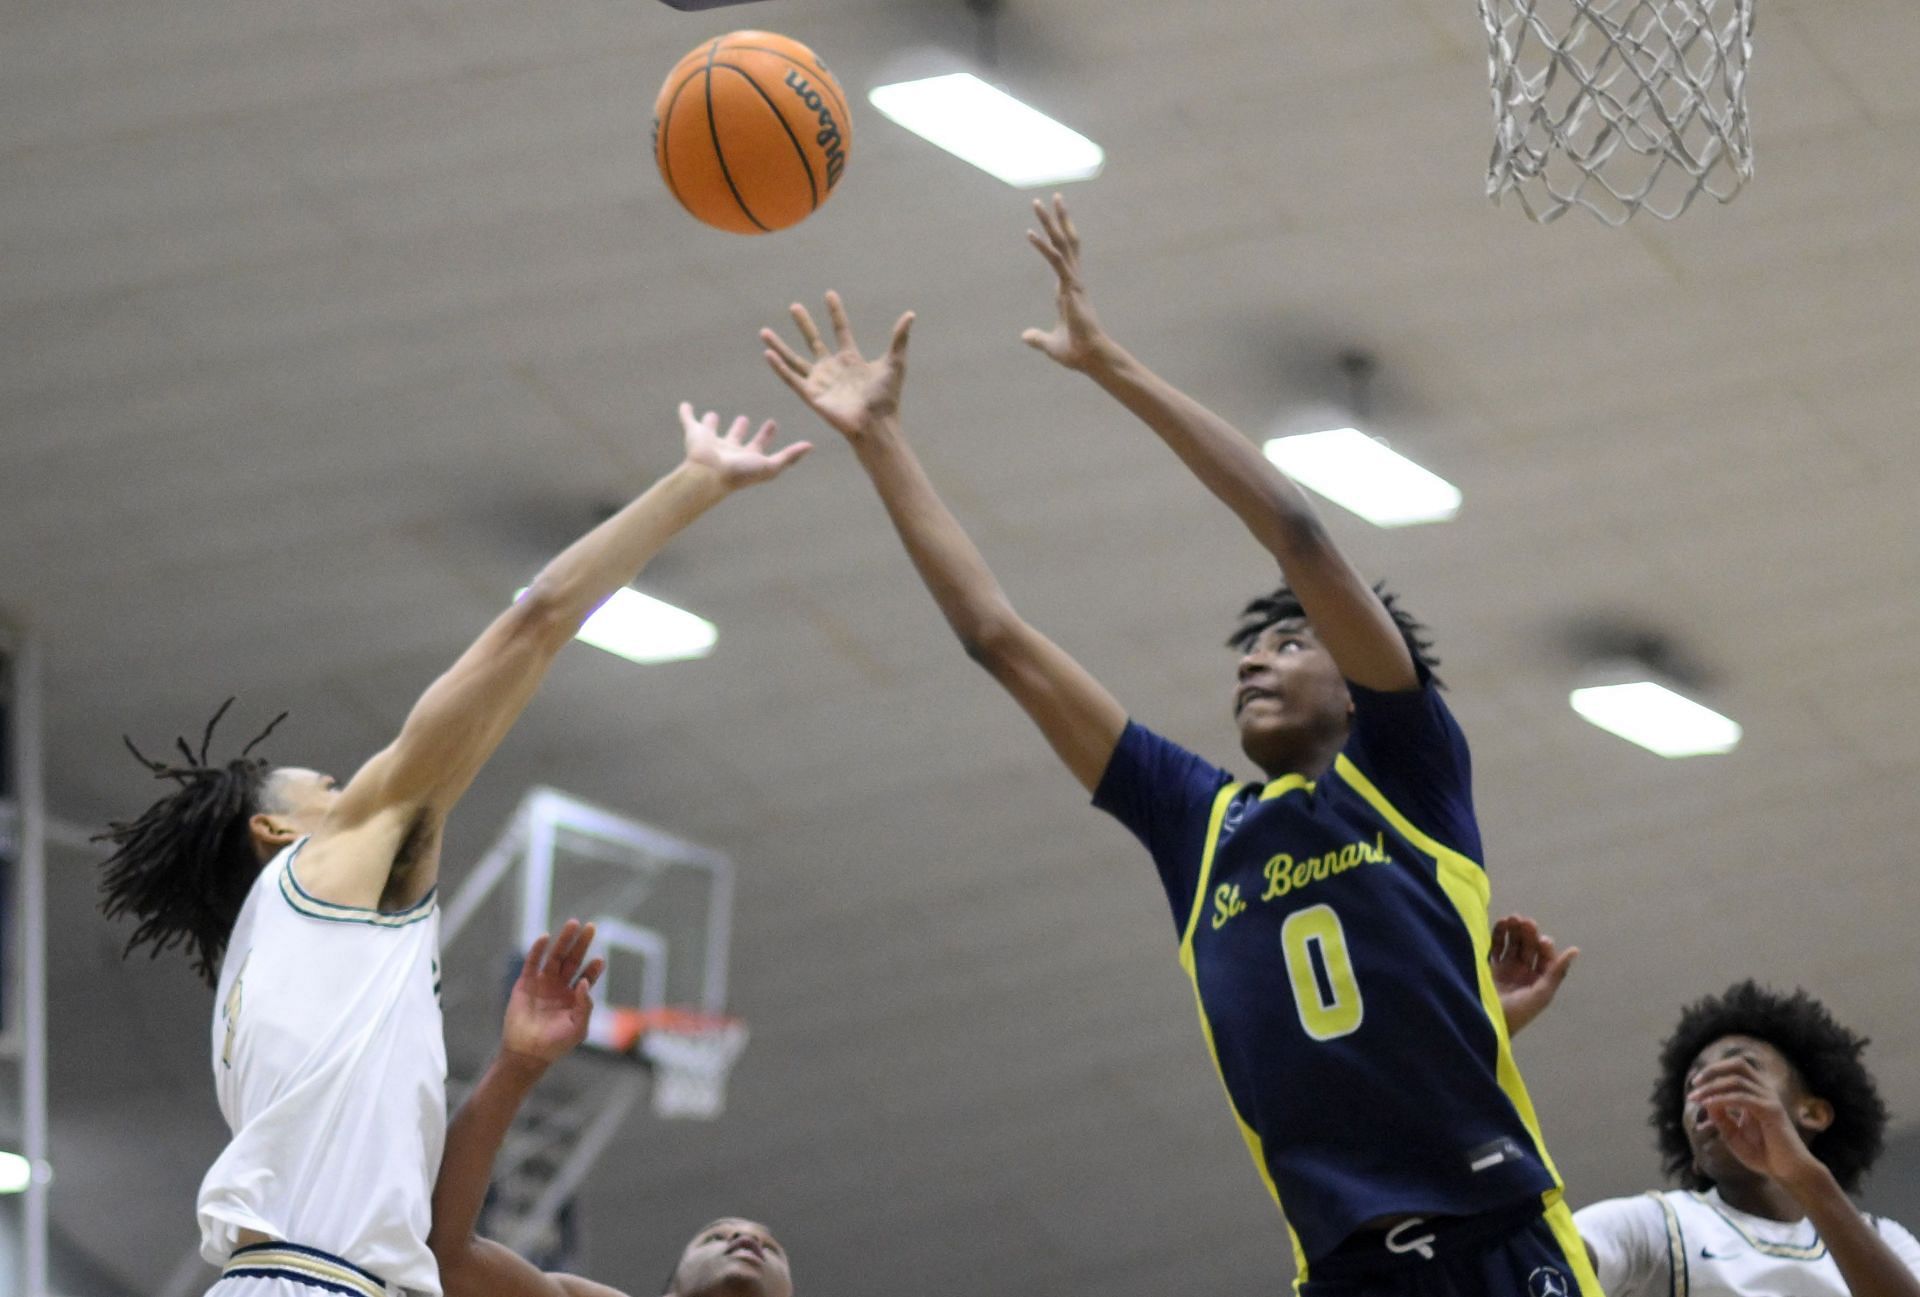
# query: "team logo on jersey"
[1285,874]
[1226,904]
[1549,1281]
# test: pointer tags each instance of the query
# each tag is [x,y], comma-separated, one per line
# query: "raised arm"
[860,399]
[1346,614]
[397,800]
[546,1018]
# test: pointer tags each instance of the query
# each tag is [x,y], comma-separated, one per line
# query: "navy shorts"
[1532,1251]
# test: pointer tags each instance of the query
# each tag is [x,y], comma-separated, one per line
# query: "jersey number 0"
[1321,971]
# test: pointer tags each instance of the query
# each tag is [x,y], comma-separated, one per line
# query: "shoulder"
[1900,1239]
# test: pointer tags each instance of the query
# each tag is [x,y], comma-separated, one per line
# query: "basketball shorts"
[289,1270]
[1528,1252]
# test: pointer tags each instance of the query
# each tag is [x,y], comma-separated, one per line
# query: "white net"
[690,1066]
[1618,106]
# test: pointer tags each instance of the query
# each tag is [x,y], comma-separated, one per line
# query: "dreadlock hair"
[184,867]
[1284,605]
[1825,1054]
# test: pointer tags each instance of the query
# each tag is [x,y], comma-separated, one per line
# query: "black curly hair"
[1284,605]
[184,867]
[1825,1054]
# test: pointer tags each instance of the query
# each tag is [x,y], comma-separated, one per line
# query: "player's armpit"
[1080,719]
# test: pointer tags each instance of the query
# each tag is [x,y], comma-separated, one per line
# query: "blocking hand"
[552,998]
[840,385]
[1076,340]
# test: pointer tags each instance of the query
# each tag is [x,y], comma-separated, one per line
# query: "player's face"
[734,1258]
[1289,698]
[300,796]
[1711,1157]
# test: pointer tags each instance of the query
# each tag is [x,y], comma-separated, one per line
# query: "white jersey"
[1684,1244]
[331,1068]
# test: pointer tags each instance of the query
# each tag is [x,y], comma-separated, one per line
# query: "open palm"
[1075,340]
[552,999]
[739,460]
[840,385]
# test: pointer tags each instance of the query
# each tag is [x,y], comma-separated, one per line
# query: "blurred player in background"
[546,1018]
[312,907]
[1333,917]
[1767,1115]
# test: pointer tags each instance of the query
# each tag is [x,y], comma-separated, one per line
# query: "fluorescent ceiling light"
[1359,473]
[991,129]
[1657,719]
[16,1173]
[641,628]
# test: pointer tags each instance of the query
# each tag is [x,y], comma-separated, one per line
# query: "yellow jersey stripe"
[1222,800]
[1465,884]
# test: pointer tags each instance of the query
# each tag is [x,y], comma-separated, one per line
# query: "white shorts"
[288,1270]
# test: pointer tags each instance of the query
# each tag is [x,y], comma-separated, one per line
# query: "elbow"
[542,616]
[992,640]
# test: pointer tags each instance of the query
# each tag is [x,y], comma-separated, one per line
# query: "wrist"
[1105,358]
[703,485]
[519,1070]
[1810,1181]
[877,434]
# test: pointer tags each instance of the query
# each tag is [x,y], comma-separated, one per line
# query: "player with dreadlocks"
[311,907]
[1765,1112]
[1333,917]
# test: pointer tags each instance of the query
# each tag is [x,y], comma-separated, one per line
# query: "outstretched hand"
[1527,969]
[840,385]
[1076,340]
[552,998]
[737,460]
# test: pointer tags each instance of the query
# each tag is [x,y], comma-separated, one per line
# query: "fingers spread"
[777,347]
[1051,253]
[791,455]
[738,429]
[762,437]
[809,333]
[535,954]
[1066,224]
[786,373]
[902,329]
[842,326]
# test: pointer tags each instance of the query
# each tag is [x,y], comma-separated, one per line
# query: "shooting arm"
[465,714]
[1346,614]
[1079,717]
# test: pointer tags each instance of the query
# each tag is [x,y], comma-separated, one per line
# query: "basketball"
[751,132]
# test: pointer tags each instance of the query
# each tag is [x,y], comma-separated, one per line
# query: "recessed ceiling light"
[1359,473]
[991,129]
[640,628]
[1657,718]
[16,1173]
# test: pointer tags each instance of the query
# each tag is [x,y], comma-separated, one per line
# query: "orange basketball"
[751,132]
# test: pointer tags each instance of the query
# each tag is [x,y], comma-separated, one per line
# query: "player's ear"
[270,834]
[1812,1113]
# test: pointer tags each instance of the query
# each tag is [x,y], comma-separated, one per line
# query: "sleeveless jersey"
[1336,933]
[331,1067]
[1685,1244]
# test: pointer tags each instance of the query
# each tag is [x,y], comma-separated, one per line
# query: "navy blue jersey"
[1337,936]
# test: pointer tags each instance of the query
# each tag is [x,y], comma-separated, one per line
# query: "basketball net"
[690,1054]
[1618,106]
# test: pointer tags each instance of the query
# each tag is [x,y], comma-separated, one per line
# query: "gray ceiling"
[325,323]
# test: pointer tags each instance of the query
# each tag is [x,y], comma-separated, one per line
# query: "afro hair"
[1825,1054]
